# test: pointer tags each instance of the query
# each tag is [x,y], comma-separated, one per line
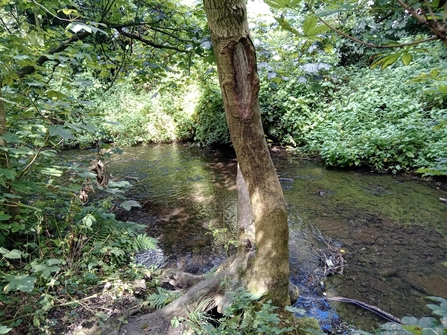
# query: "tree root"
[204,294]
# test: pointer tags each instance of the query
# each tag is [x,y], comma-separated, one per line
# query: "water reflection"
[393,230]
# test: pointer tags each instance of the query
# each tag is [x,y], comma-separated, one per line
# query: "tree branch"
[437,28]
[148,42]
[338,31]
[44,58]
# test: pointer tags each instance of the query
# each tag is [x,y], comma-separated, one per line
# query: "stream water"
[392,230]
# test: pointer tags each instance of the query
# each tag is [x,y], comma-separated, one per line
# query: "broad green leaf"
[61,131]
[38,267]
[415,329]
[295,310]
[22,283]
[385,61]
[15,227]
[127,205]
[47,301]
[55,94]
[309,24]
[406,58]
[21,57]
[319,30]
[54,261]
[13,254]
[4,329]
[121,184]
[4,217]
[79,26]
[68,12]
[281,4]
[52,172]
[10,137]
[49,270]
[8,173]
[409,320]
[286,25]
[389,60]
[101,316]
[88,220]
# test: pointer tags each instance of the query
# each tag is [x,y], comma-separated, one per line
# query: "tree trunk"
[262,260]
[239,81]
[3,156]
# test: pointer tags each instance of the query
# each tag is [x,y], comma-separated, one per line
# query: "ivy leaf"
[47,301]
[127,205]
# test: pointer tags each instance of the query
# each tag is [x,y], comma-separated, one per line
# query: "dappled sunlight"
[190,193]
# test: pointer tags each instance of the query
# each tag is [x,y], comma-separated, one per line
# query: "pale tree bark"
[239,81]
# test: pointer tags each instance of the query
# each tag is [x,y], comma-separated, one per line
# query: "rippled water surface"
[392,230]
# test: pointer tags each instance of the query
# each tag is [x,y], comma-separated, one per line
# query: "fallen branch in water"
[370,308]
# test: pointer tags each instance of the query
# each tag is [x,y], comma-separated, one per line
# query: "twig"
[33,159]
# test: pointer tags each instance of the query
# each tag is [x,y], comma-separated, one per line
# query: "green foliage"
[210,120]
[161,298]
[244,315]
[349,117]
[426,325]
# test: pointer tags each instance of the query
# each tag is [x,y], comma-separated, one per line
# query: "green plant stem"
[28,166]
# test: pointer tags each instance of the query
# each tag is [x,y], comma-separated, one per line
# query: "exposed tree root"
[211,290]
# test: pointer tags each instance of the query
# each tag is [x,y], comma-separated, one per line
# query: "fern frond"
[143,242]
[162,298]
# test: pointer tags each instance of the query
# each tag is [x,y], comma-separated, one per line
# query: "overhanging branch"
[371,45]
[148,42]
[44,58]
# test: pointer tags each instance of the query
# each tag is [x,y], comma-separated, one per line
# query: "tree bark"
[3,155]
[262,260]
[239,81]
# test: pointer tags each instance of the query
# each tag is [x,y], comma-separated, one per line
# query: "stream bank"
[392,230]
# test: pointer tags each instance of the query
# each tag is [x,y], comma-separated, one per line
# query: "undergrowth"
[57,250]
[246,314]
